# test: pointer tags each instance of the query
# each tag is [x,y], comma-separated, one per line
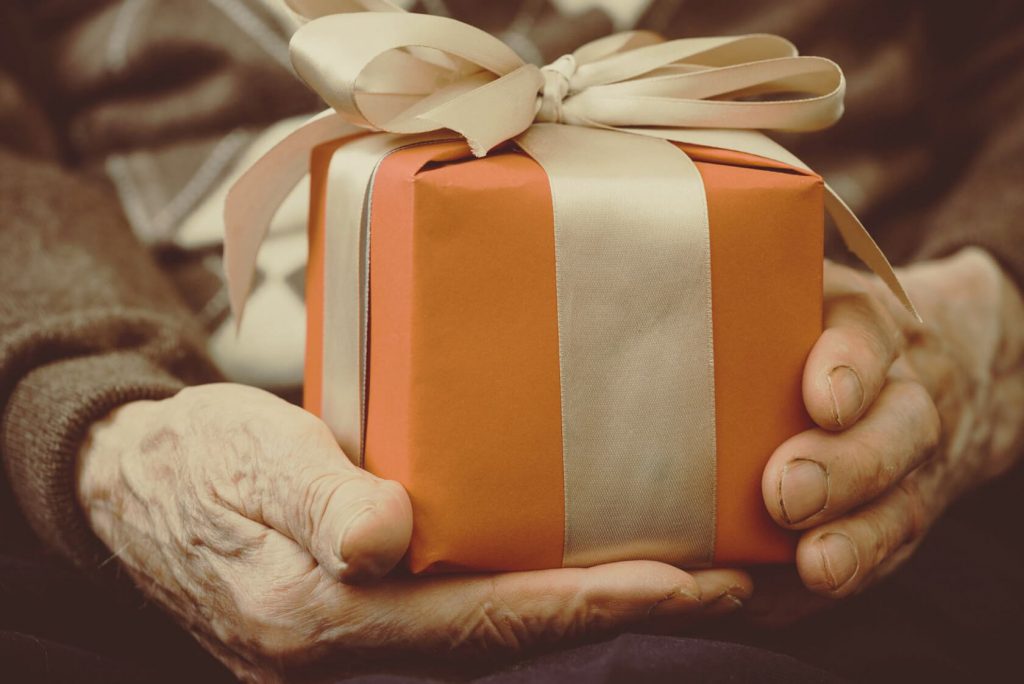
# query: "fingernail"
[723,605]
[847,393]
[839,559]
[346,548]
[803,490]
[678,601]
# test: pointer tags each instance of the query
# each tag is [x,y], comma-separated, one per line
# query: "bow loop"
[788,93]
[413,73]
[632,60]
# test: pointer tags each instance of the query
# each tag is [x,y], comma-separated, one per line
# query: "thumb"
[356,525]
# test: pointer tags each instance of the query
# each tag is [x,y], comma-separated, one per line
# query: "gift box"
[463,389]
[568,307]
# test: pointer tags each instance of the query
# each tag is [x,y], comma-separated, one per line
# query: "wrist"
[46,418]
[969,354]
[104,448]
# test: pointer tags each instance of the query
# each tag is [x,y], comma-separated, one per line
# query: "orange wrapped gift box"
[568,307]
[463,404]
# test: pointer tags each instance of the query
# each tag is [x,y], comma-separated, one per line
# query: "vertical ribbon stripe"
[345,296]
[633,268]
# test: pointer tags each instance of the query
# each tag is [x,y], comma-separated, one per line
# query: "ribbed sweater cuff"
[43,426]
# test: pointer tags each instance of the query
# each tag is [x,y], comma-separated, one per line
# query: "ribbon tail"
[860,242]
[855,235]
[256,196]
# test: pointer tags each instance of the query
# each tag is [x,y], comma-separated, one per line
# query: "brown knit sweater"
[931,154]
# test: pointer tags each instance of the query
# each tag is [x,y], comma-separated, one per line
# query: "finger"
[519,610]
[360,525]
[841,557]
[356,525]
[817,476]
[513,611]
[848,364]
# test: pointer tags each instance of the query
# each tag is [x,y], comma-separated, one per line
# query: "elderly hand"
[910,416]
[239,514]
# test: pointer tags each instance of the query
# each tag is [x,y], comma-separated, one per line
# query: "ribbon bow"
[413,73]
[383,69]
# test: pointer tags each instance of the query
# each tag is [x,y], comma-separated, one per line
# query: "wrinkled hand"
[239,514]
[910,416]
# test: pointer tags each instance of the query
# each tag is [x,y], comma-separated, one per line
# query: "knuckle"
[191,393]
[855,301]
[930,422]
[597,618]
[579,616]
[882,472]
[317,492]
[584,614]
[880,459]
[915,395]
[865,470]
[841,279]
[880,534]
[198,403]
[390,489]
[919,412]
[310,430]
[898,525]
[913,514]
[318,499]
[491,627]
[877,342]
[870,324]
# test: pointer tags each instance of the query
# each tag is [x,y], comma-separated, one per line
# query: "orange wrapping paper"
[464,402]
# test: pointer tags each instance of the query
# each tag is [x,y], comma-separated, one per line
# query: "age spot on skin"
[162,438]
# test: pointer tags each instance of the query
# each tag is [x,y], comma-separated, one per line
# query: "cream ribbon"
[636,358]
[618,99]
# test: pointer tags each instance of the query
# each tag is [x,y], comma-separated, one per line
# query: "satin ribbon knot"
[557,86]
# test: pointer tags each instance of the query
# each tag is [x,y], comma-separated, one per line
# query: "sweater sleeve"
[88,319]
[985,208]
[87,323]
